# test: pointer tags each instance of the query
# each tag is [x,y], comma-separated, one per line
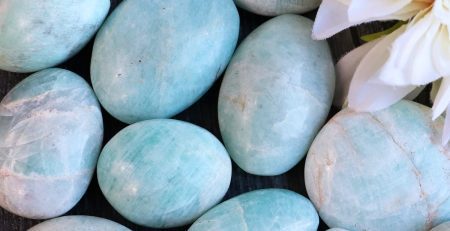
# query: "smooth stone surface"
[278,7]
[442,227]
[153,59]
[337,229]
[79,223]
[275,96]
[389,166]
[39,34]
[51,130]
[266,209]
[163,173]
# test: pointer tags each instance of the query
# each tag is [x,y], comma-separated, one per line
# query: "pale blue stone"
[261,210]
[337,229]
[381,171]
[278,7]
[39,34]
[51,130]
[442,227]
[163,173]
[79,223]
[153,59]
[275,96]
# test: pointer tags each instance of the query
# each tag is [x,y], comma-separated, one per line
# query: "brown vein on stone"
[415,169]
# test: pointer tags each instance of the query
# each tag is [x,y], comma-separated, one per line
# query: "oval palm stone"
[153,59]
[51,130]
[275,96]
[381,171]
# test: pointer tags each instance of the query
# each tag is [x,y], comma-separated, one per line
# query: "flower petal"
[446,132]
[411,55]
[365,95]
[441,52]
[336,15]
[442,99]
[411,10]
[441,11]
[361,10]
[331,18]
[345,69]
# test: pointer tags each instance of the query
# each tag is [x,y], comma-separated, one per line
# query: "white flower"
[384,71]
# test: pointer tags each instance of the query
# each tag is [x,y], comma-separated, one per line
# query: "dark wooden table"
[203,113]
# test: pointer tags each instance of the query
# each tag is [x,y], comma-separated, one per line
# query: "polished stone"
[261,210]
[442,227]
[79,223]
[163,173]
[381,171]
[153,59]
[40,34]
[51,130]
[278,7]
[275,96]
[337,229]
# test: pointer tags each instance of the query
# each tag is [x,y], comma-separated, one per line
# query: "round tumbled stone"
[163,173]
[385,170]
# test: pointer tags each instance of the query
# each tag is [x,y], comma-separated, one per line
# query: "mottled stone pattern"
[39,34]
[79,223]
[262,210]
[275,96]
[381,171]
[442,227]
[163,173]
[51,129]
[153,59]
[278,7]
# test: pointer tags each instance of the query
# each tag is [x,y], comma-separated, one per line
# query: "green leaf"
[371,37]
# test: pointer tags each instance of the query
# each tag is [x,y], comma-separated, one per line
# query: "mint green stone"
[337,229]
[261,210]
[163,173]
[38,34]
[51,131]
[79,223]
[278,7]
[381,171]
[154,58]
[275,96]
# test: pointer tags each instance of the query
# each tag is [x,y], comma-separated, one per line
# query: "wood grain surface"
[203,113]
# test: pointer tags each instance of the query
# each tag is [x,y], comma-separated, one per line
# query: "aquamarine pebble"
[381,171]
[442,227]
[35,35]
[278,7]
[262,210]
[337,229]
[79,223]
[153,59]
[163,173]
[275,96]
[51,130]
